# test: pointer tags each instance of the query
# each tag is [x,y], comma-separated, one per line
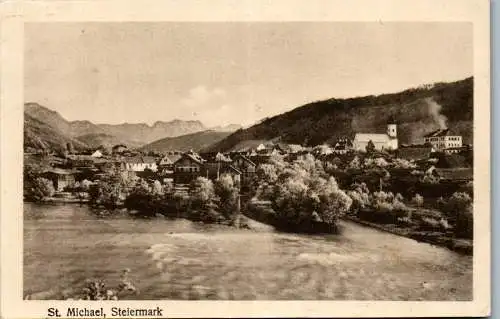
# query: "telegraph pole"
[238,210]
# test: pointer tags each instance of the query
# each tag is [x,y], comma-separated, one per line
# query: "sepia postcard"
[175,159]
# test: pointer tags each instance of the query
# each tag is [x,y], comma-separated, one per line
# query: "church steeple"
[392,130]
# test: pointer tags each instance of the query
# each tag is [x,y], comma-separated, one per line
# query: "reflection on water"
[178,259]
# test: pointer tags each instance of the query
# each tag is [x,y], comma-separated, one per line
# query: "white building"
[139,164]
[387,141]
[97,154]
[442,139]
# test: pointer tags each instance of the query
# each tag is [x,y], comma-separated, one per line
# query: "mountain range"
[417,111]
[45,128]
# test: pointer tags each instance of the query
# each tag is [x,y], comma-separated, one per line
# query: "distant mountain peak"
[132,134]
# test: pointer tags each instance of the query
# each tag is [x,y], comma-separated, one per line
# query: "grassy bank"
[438,238]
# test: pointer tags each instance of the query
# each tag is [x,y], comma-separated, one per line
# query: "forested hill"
[417,111]
[195,141]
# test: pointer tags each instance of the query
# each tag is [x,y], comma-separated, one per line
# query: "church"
[387,141]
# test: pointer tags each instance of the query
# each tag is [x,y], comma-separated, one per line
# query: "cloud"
[216,106]
[202,97]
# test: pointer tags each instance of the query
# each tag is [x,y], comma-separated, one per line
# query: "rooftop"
[365,137]
[440,132]
[140,159]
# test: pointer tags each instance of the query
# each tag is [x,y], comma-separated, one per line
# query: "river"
[178,259]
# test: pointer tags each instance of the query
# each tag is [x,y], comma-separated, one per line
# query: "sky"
[231,72]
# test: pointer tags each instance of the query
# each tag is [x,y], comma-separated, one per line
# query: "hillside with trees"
[417,111]
[195,141]
[41,136]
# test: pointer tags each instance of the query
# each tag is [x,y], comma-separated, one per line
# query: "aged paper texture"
[245,158]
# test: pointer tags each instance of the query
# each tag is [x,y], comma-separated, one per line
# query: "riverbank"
[65,200]
[463,246]
[260,222]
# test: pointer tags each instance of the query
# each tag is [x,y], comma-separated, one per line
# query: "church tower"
[392,132]
[392,128]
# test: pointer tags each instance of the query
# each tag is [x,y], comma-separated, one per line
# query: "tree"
[228,195]
[355,163]
[458,202]
[370,147]
[310,165]
[202,192]
[69,148]
[141,197]
[111,190]
[300,197]
[85,185]
[39,189]
[322,149]
[418,200]
[157,189]
[267,173]
[334,202]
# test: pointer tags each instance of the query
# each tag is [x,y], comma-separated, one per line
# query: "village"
[438,155]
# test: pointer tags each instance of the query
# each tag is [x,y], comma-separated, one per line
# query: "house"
[166,163]
[188,167]
[260,158]
[215,164]
[139,163]
[386,141]
[233,172]
[61,178]
[215,157]
[260,148]
[332,161]
[299,156]
[342,146]
[284,148]
[214,170]
[97,154]
[245,165]
[442,139]
[83,161]
[455,174]
[456,150]
[119,149]
[418,153]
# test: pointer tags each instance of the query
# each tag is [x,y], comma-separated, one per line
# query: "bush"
[141,198]
[227,194]
[97,289]
[456,204]
[39,189]
[267,173]
[459,212]
[111,190]
[355,163]
[401,163]
[464,224]
[202,193]
[379,162]
[299,196]
[360,200]
[385,208]
[418,200]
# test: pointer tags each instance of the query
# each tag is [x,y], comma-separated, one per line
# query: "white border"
[14,14]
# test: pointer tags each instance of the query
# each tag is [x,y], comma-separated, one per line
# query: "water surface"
[178,259]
